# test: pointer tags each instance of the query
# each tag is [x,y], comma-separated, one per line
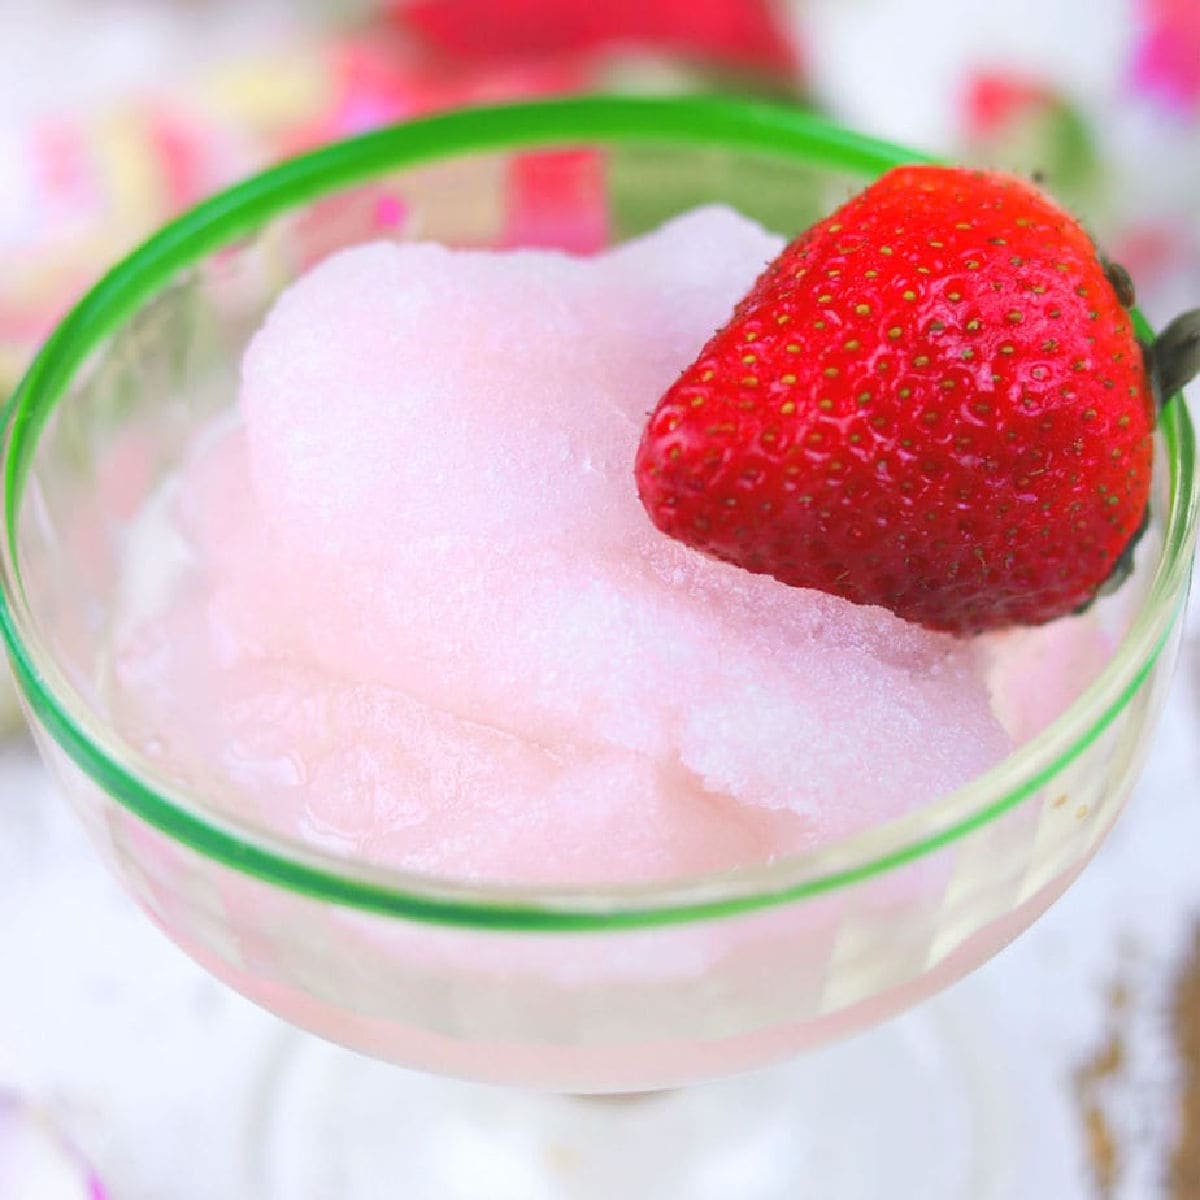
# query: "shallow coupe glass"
[570,990]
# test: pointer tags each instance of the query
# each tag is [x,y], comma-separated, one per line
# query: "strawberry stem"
[1174,359]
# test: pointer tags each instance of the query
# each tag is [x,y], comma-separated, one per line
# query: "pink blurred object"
[1026,122]
[36,1162]
[994,98]
[743,33]
[1166,65]
[369,83]
[75,193]
[553,198]
[557,198]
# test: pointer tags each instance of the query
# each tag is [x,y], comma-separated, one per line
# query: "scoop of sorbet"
[424,620]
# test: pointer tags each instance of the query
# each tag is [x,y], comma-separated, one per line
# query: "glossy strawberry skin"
[931,401]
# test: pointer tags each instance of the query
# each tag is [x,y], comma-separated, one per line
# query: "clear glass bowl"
[578,990]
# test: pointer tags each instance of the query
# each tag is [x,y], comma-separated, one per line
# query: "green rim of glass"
[698,120]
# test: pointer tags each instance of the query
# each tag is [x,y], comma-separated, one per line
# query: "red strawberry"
[933,400]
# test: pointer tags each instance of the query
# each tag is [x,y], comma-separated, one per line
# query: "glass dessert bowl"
[612,989]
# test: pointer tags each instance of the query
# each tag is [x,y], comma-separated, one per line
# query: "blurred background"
[115,114]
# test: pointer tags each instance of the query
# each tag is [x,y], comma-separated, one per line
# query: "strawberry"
[933,400]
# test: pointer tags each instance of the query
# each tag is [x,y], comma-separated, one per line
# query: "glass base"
[918,1107]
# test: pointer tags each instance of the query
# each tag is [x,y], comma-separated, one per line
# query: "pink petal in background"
[1166,64]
